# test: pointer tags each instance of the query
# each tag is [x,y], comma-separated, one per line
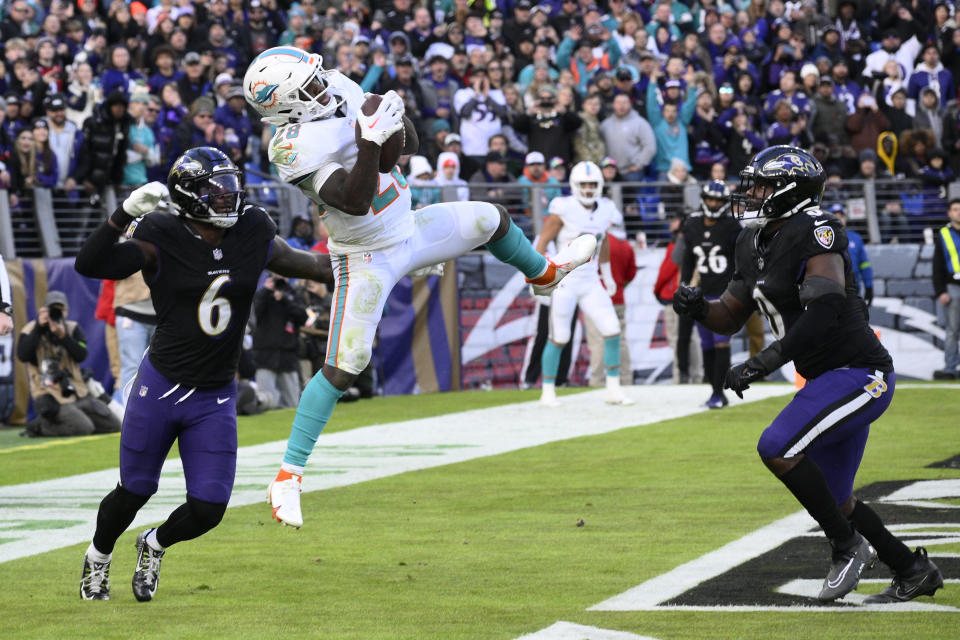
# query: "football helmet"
[720,193]
[206,186]
[777,183]
[286,84]
[586,173]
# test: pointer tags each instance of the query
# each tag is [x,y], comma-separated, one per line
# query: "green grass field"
[488,548]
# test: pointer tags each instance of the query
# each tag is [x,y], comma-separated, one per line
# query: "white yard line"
[42,516]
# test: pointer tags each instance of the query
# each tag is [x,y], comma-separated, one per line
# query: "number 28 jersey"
[203,294]
[307,154]
[768,279]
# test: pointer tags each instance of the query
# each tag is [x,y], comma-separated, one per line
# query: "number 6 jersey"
[768,279]
[203,294]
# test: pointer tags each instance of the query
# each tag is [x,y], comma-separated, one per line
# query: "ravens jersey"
[709,251]
[203,294]
[768,278]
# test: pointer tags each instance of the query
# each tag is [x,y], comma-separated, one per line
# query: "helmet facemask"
[586,192]
[215,199]
[314,96]
[586,183]
[754,204]
[715,200]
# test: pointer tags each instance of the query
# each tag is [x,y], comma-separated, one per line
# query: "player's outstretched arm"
[294,263]
[725,315]
[353,191]
[101,256]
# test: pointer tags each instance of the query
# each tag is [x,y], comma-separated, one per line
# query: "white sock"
[292,468]
[96,556]
[613,382]
[152,541]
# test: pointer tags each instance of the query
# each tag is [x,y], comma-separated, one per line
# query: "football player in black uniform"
[709,243]
[792,265]
[202,263]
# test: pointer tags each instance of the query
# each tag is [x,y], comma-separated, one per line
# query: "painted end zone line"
[687,576]
[346,458]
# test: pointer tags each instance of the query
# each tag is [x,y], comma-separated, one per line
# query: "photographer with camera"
[278,314]
[53,348]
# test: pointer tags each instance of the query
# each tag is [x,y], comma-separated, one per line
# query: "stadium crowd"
[100,94]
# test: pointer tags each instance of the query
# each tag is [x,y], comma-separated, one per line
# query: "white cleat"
[613,394]
[548,396]
[578,252]
[283,494]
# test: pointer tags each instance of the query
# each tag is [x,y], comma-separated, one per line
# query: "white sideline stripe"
[349,457]
[570,631]
[688,575]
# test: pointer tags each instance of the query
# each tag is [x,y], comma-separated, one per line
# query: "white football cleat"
[578,252]
[283,494]
[613,394]
[548,395]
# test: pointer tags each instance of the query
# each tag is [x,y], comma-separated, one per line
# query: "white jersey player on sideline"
[375,239]
[577,215]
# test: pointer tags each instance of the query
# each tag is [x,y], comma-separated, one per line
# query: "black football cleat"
[849,561]
[147,575]
[922,579]
[95,580]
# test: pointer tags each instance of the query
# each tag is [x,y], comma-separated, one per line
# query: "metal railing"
[48,223]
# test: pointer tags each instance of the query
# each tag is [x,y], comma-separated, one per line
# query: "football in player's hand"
[391,149]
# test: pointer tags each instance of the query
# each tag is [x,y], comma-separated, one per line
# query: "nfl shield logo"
[824,236]
[367,257]
[143,391]
[217,254]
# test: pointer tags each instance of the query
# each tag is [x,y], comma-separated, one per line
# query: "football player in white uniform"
[584,213]
[375,239]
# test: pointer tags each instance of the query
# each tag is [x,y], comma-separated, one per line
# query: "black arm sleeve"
[821,317]
[101,256]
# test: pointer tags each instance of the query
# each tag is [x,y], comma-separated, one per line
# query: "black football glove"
[689,301]
[759,366]
[868,295]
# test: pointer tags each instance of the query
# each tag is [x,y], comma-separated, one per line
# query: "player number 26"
[214,312]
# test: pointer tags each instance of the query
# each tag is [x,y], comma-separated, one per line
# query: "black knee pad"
[206,514]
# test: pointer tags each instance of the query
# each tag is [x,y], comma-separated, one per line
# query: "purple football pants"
[829,421]
[203,421]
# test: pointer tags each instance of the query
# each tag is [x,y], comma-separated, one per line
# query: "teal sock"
[550,361]
[514,249]
[316,405]
[611,355]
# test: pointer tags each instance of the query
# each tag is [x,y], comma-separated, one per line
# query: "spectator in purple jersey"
[931,73]
[165,61]
[791,92]
[118,76]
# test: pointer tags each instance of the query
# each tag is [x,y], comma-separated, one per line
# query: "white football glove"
[385,121]
[432,270]
[606,275]
[145,199]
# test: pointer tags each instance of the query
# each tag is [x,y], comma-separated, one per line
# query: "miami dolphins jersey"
[307,154]
[577,221]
